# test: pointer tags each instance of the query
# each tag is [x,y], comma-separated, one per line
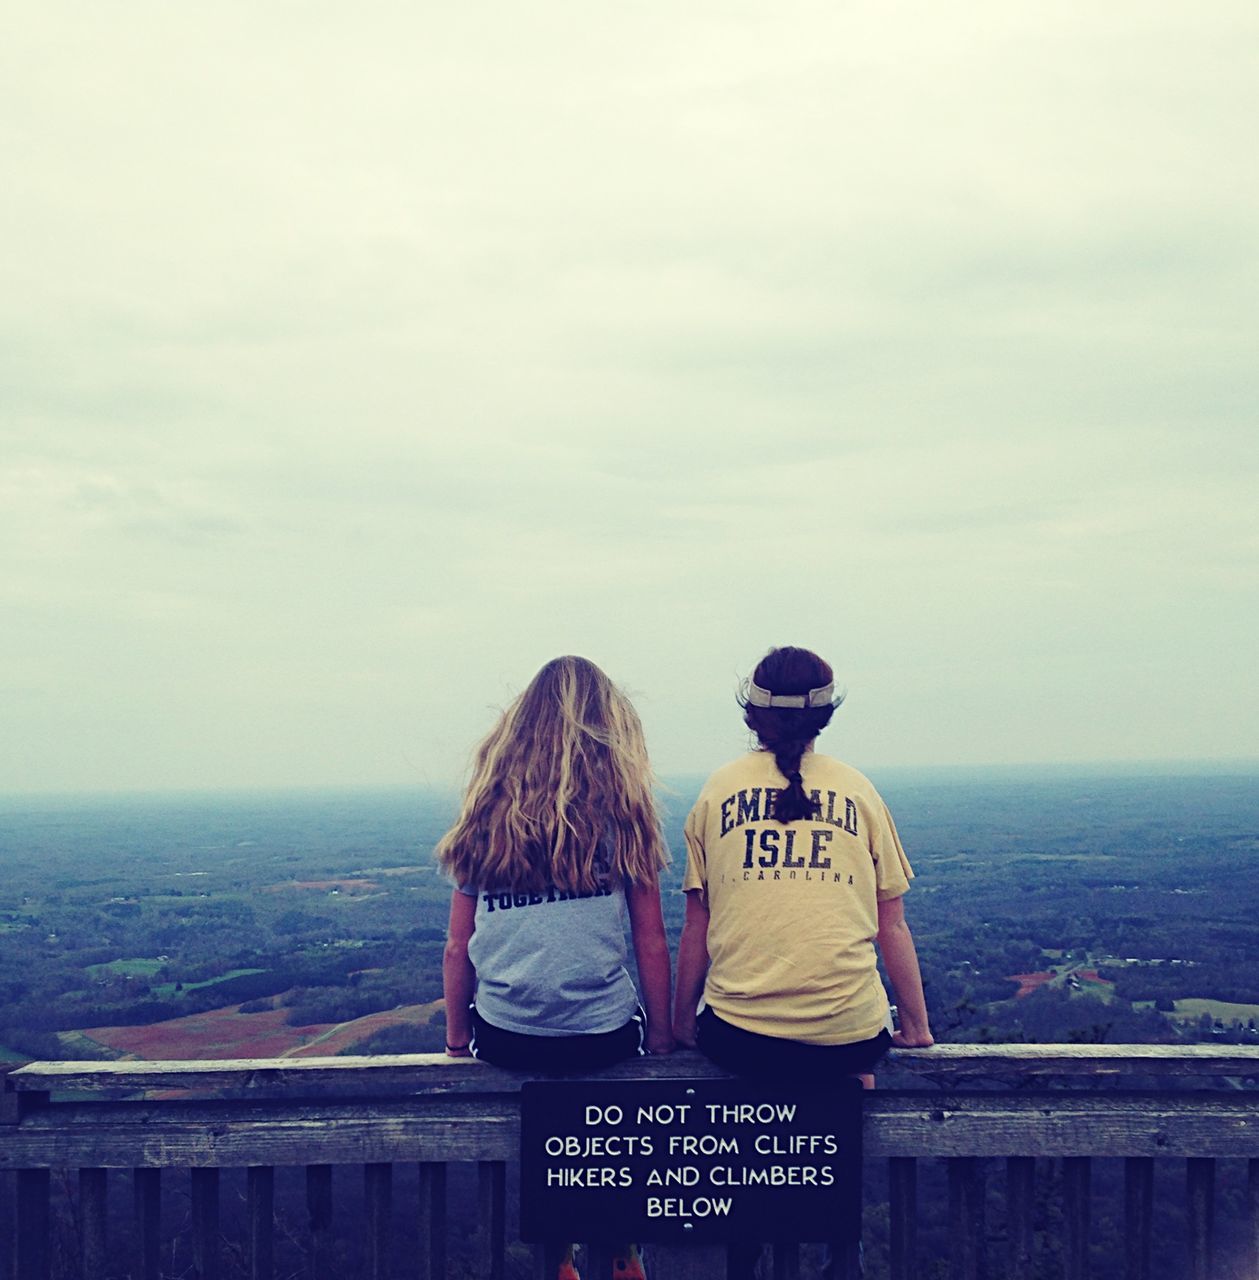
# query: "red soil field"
[228,1033]
[1029,982]
[1091,975]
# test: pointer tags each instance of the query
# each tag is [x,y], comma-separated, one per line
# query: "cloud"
[356,361]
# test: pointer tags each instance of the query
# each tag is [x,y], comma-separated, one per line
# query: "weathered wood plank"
[786,1261]
[378,1201]
[260,1209]
[432,1222]
[383,1075]
[597,1261]
[1076,1216]
[16,1102]
[1078,1059]
[223,1134]
[32,1256]
[677,1263]
[205,1224]
[1200,1185]
[1020,1176]
[1138,1216]
[193,1134]
[492,1205]
[427,1072]
[902,1182]
[846,1262]
[966,1214]
[546,1260]
[8,1220]
[93,1216]
[147,1187]
[319,1220]
[742,1261]
[1252,1219]
[1060,1124]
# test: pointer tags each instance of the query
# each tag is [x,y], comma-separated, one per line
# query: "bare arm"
[900,959]
[692,967]
[651,951]
[458,975]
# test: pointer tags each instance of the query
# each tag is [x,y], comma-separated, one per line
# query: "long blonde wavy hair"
[561,791]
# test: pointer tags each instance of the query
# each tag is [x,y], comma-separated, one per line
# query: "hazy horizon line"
[1224,766]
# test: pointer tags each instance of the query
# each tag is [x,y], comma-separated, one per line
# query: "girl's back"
[552,961]
[557,847]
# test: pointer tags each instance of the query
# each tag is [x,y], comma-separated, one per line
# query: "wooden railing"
[168,1129]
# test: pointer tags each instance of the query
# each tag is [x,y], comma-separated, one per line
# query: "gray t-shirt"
[552,963]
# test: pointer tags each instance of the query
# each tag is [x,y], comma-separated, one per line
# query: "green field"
[1222,1010]
[168,988]
[142,967]
[77,1045]
[137,967]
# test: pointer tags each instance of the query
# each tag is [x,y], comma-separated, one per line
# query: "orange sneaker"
[568,1268]
[628,1265]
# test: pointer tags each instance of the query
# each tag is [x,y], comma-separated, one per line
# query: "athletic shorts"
[747,1053]
[556,1055]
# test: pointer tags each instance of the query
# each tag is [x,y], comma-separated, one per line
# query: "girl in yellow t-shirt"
[794,874]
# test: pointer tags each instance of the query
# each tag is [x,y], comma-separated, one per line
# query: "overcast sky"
[358,359]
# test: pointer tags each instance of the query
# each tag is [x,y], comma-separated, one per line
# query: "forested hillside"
[1064,908]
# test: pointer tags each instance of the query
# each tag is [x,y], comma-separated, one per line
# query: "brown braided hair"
[787,731]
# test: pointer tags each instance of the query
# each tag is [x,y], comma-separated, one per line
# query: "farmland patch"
[228,1033]
[1221,1010]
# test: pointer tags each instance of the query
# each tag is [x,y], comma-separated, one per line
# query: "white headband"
[822,696]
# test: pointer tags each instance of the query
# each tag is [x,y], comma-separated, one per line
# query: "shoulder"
[837,773]
[743,771]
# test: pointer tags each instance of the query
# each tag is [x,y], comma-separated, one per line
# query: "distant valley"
[1053,907]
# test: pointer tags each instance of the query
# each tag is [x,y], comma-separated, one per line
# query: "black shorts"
[746,1053]
[556,1055]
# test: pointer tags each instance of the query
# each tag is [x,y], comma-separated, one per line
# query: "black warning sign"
[705,1161]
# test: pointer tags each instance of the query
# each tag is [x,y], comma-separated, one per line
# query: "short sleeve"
[892,872]
[468,890]
[696,859]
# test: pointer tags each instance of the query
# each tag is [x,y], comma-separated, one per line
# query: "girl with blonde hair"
[557,847]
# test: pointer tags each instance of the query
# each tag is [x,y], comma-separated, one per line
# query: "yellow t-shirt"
[793,908]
